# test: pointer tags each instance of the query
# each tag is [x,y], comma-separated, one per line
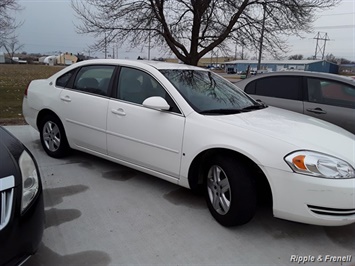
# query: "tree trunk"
[191,60]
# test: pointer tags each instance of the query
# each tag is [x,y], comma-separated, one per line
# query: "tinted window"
[63,80]
[330,92]
[250,87]
[94,79]
[135,86]
[205,91]
[279,87]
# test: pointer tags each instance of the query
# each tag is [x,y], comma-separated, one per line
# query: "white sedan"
[191,127]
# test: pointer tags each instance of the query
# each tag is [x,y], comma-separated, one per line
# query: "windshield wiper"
[254,107]
[235,111]
[221,111]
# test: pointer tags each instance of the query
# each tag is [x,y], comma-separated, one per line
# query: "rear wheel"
[230,191]
[53,138]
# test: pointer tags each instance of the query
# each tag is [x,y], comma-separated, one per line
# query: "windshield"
[208,93]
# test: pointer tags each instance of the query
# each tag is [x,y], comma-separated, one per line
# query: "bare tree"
[337,60]
[331,58]
[295,57]
[12,46]
[193,28]
[8,24]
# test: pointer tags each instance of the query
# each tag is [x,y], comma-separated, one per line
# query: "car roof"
[307,74]
[141,63]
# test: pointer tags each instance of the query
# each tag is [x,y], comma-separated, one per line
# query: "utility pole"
[149,38]
[149,45]
[105,46]
[262,37]
[320,47]
[235,55]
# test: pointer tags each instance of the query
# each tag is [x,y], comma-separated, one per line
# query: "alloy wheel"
[218,189]
[51,136]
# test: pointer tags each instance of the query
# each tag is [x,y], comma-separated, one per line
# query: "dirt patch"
[12,121]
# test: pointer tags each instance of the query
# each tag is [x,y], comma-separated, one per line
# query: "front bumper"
[312,200]
[22,235]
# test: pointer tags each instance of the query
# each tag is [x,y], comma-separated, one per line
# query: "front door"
[139,135]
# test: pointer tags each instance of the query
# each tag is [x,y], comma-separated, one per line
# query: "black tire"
[230,191]
[53,138]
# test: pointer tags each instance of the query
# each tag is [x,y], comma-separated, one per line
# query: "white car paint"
[87,124]
[145,137]
[165,144]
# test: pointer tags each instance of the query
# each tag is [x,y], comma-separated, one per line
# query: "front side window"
[207,92]
[285,87]
[94,79]
[135,86]
[330,92]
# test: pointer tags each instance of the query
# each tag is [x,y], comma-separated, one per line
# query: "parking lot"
[101,213]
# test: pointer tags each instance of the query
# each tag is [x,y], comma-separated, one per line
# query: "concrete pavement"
[101,213]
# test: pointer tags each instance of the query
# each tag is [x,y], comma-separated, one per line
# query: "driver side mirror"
[157,103]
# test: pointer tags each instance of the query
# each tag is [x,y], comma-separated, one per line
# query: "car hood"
[303,132]
[10,151]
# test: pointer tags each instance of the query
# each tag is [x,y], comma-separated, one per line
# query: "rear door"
[84,107]
[281,91]
[331,101]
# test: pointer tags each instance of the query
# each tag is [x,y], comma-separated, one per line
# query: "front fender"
[204,134]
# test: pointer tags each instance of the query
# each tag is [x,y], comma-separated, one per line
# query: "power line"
[336,27]
[337,14]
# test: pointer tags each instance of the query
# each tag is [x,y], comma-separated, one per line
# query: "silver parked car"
[325,96]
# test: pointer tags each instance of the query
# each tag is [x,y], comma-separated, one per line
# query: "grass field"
[13,82]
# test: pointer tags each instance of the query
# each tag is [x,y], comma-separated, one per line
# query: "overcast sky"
[48,27]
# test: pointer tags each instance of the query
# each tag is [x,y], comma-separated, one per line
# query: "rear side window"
[63,80]
[287,87]
[94,79]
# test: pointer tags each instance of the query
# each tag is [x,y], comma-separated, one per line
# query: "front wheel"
[53,137]
[230,191]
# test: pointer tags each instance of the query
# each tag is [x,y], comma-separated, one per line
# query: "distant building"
[41,59]
[347,69]
[214,61]
[66,59]
[279,65]
[171,60]
[49,60]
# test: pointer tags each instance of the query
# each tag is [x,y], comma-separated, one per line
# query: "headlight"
[30,183]
[319,165]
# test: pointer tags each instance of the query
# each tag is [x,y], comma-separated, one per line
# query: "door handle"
[118,111]
[65,98]
[317,110]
